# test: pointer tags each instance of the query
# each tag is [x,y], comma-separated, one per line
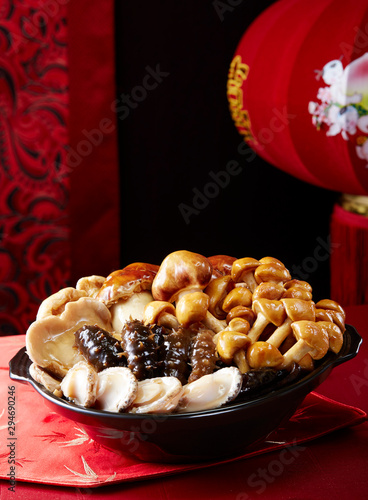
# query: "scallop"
[157,395]
[80,384]
[117,389]
[211,391]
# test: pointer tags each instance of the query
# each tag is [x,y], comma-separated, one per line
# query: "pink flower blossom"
[324,94]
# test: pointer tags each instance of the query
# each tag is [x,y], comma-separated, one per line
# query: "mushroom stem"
[168,321]
[250,281]
[280,334]
[161,313]
[214,324]
[296,353]
[241,362]
[258,326]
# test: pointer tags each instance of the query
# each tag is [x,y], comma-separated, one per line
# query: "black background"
[173,138]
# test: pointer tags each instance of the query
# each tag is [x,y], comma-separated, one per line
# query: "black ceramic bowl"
[205,435]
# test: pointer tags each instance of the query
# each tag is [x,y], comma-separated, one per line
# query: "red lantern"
[298,93]
[298,90]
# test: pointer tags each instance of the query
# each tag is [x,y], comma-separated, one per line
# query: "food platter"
[193,436]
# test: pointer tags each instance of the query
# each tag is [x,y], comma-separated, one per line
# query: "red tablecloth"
[332,465]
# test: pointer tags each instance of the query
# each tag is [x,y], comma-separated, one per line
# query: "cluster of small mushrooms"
[191,334]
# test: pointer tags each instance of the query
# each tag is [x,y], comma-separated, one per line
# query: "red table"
[333,466]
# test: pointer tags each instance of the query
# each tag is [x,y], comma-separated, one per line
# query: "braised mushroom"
[267,311]
[217,290]
[297,289]
[192,308]
[335,310]
[181,272]
[311,338]
[231,347]
[262,354]
[238,296]
[296,310]
[335,335]
[268,290]
[159,312]
[221,265]
[243,272]
[241,312]
[272,270]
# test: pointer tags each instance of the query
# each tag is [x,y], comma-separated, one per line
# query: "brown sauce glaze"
[141,349]
[99,348]
[202,355]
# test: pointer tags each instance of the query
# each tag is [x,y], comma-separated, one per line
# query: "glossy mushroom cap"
[297,289]
[335,335]
[179,272]
[298,283]
[221,264]
[270,260]
[243,312]
[335,310]
[299,309]
[239,296]
[263,354]
[242,271]
[323,315]
[267,311]
[217,290]
[311,334]
[160,313]
[311,339]
[296,310]
[273,310]
[267,290]
[272,271]
[121,284]
[331,305]
[192,308]
[238,325]
[228,342]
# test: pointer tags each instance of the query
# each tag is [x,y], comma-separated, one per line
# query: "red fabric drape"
[349,251]
[34,238]
[56,87]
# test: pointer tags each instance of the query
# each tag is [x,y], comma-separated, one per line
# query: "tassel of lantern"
[349,250]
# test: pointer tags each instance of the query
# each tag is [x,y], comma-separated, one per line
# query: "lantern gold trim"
[355,204]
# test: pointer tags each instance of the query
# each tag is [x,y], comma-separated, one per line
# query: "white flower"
[324,94]
[312,107]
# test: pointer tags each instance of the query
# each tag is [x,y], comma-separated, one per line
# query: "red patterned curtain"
[51,98]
